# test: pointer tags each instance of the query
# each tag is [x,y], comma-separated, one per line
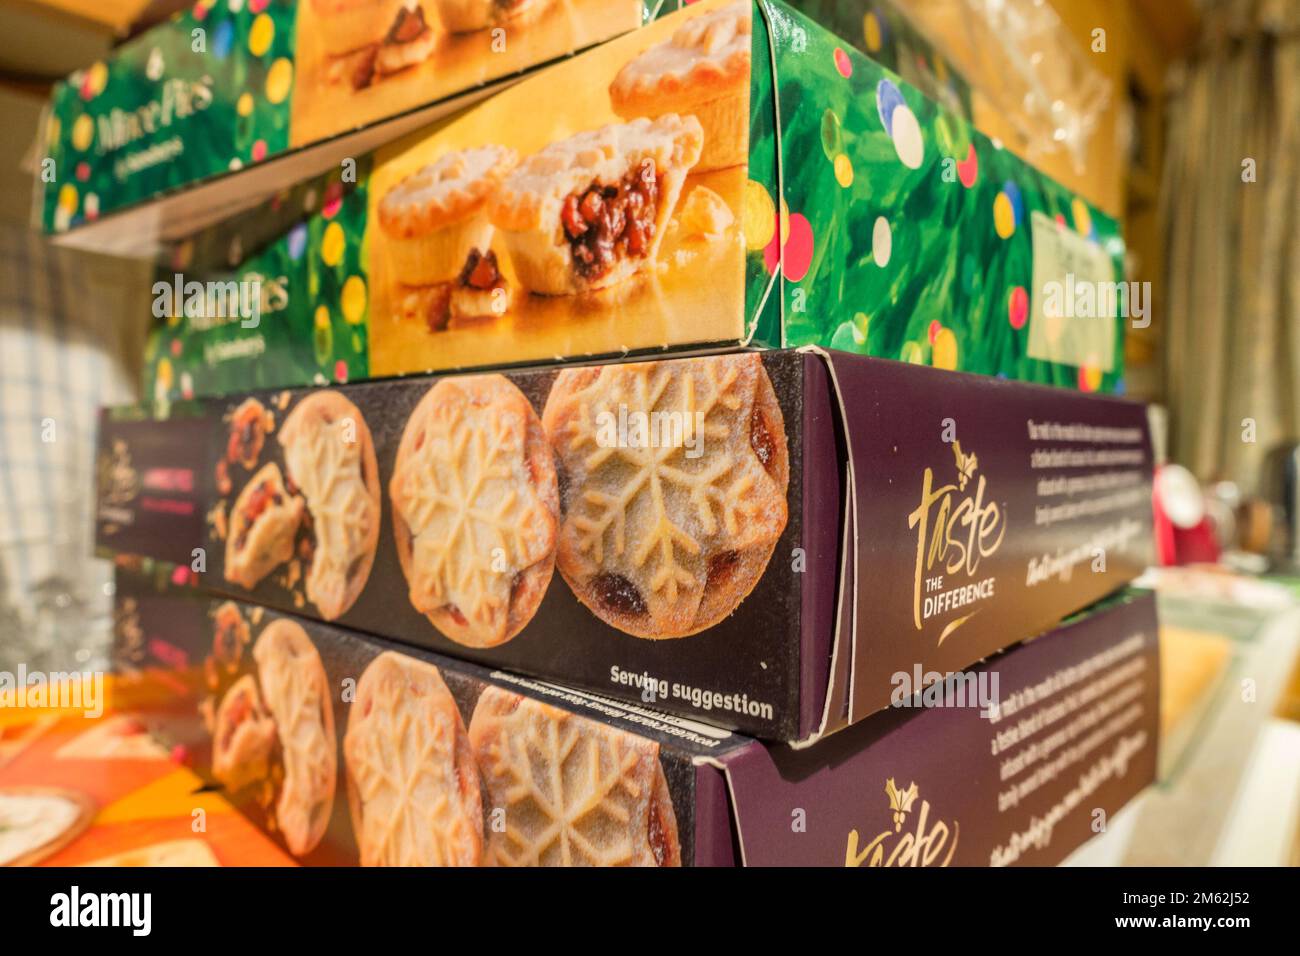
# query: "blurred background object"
[1031,69]
[71,333]
[71,330]
[1276,530]
[1080,88]
[1231,207]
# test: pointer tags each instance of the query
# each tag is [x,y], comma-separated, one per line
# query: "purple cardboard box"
[350,750]
[760,540]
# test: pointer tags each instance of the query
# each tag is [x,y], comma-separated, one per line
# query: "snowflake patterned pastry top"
[297,694]
[413,788]
[575,792]
[475,509]
[329,455]
[675,488]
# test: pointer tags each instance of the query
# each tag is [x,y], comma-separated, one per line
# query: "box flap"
[1016,501]
[763,246]
[1071,738]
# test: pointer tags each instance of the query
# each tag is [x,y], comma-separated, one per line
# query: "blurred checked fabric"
[71,333]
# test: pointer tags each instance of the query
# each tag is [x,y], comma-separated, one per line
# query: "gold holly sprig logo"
[900,801]
[966,465]
[926,842]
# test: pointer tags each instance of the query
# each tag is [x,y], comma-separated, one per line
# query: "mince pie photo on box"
[413,787]
[263,523]
[475,506]
[329,457]
[244,737]
[297,695]
[702,71]
[590,211]
[274,733]
[317,515]
[594,208]
[565,790]
[574,792]
[664,534]
[439,239]
[675,483]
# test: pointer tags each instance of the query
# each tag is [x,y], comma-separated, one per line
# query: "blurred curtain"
[71,332]
[1233,284]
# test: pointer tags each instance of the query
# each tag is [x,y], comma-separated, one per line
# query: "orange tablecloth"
[142,797]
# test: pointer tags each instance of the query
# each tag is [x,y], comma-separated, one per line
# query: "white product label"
[1075,298]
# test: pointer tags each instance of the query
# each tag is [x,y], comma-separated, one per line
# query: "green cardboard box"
[228,86]
[848,211]
[231,84]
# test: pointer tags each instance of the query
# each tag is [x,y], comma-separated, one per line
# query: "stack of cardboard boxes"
[768,504]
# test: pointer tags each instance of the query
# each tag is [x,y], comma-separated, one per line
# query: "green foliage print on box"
[312,325]
[338,286]
[207,92]
[911,236]
[882,32]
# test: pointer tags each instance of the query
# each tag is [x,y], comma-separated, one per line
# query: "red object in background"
[1184,530]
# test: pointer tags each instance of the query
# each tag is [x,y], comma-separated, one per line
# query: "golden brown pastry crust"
[703,70]
[575,792]
[413,787]
[707,57]
[339,481]
[256,546]
[297,693]
[475,505]
[446,191]
[656,539]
